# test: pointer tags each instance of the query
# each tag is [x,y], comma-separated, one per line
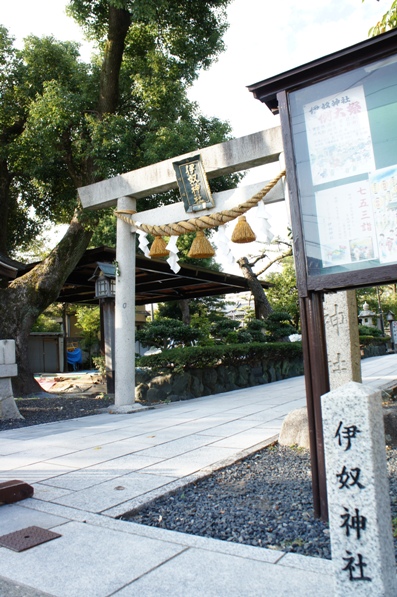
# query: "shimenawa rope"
[202,222]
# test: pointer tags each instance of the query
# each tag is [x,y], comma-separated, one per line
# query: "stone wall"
[194,383]
[373,350]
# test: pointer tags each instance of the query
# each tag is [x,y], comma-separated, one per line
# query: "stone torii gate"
[123,191]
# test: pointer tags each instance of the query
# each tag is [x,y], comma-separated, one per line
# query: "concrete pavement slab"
[112,493]
[197,573]
[189,463]
[9,446]
[271,556]
[35,473]
[100,473]
[94,455]
[85,561]
[47,493]
[295,560]
[231,428]
[25,458]
[10,589]
[14,518]
[179,446]
[249,438]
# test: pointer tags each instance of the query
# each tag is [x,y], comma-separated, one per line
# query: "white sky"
[264,38]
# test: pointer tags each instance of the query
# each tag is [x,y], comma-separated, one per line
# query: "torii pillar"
[257,149]
[125,312]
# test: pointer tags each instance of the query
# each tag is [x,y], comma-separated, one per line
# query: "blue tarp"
[74,357]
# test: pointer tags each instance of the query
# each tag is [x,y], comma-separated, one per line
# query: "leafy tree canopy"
[185,34]
[209,308]
[65,123]
[283,292]
[167,333]
[279,326]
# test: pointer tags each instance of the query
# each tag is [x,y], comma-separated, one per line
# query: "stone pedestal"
[343,344]
[358,492]
[8,369]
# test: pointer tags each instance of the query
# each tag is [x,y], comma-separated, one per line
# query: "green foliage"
[202,310]
[382,298]
[165,333]
[224,330]
[54,138]
[99,363]
[374,340]
[105,231]
[366,330]
[387,22]
[46,323]
[394,526]
[198,357]
[243,337]
[283,294]
[88,321]
[256,328]
[49,320]
[279,326]
[187,36]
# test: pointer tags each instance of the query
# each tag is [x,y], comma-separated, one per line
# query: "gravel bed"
[47,408]
[264,500]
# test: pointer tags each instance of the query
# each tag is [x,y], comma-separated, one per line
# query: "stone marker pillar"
[8,369]
[358,492]
[343,344]
[125,311]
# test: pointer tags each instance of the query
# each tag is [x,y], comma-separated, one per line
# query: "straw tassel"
[201,247]
[158,248]
[243,232]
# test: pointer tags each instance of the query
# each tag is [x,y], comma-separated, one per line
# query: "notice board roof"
[353,56]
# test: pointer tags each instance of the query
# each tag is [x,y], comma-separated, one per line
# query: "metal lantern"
[105,281]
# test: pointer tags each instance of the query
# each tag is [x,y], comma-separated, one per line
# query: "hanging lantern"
[201,247]
[243,232]
[158,248]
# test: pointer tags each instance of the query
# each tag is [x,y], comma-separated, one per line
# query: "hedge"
[202,357]
[374,340]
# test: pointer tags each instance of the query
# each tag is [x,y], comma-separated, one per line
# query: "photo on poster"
[383,186]
[339,136]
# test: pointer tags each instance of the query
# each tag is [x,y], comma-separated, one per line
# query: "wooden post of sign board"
[313,331]
[317,384]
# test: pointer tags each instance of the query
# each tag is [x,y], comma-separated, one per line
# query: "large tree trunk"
[262,305]
[119,23]
[184,305]
[5,181]
[26,297]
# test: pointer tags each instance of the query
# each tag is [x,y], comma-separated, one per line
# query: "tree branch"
[275,260]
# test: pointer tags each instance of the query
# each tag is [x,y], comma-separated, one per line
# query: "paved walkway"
[88,471]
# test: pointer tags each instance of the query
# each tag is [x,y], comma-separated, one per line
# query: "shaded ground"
[69,396]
